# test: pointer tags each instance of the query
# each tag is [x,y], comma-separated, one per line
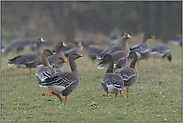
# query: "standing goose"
[44,71]
[93,52]
[143,49]
[72,48]
[17,45]
[59,53]
[28,60]
[119,57]
[111,82]
[129,74]
[65,82]
[161,51]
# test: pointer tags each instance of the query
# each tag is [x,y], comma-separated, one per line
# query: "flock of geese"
[116,58]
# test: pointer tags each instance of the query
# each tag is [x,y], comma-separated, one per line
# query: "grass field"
[156,97]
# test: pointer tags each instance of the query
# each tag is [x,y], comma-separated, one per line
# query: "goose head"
[61,44]
[40,40]
[147,36]
[131,55]
[48,52]
[60,60]
[75,56]
[125,35]
[106,58]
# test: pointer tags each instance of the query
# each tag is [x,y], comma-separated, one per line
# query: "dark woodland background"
[62,20]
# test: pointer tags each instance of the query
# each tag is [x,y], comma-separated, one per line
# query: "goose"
[111,82]
[46,70]
[48,43]
[92,52]
[72,47]
[17,45]
[111,49]
[161,51]
[58,50]
[65,82]
[28,60]
[143,49]
[114,39]
[119,57]
[57,65]
[129,74]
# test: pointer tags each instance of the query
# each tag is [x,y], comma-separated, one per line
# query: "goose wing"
[113,79]
[126,73]
[43,73]
[62,79]
[141,48]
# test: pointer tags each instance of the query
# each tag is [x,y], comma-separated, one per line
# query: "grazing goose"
[129,74]
[111,82]
[143,49]
[58,49]
[161,51]
[119,57]
[65,82]
[92,52]
[44,71]
[28,60]
[17,45]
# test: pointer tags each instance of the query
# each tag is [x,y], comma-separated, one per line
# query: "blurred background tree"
[60,20]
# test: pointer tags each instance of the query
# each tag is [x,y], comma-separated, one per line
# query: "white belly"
[112,89]
[57,89]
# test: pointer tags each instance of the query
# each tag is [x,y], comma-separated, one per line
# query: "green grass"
[156,97]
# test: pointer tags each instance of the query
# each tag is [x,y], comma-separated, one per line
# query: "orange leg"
[127,93]
[115,97]
[107,96]
[139,65]
[154,59]
[120,93]
[18,53]
[48,92]
[57,96]
[65,100]
[114,70]
[42,92]
[92,61]
[30,70]
[163,59]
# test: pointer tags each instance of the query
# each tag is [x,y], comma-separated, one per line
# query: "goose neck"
[125,46]
[38,49]
[74,67]
[110,67]
[45,61]
[133,62]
